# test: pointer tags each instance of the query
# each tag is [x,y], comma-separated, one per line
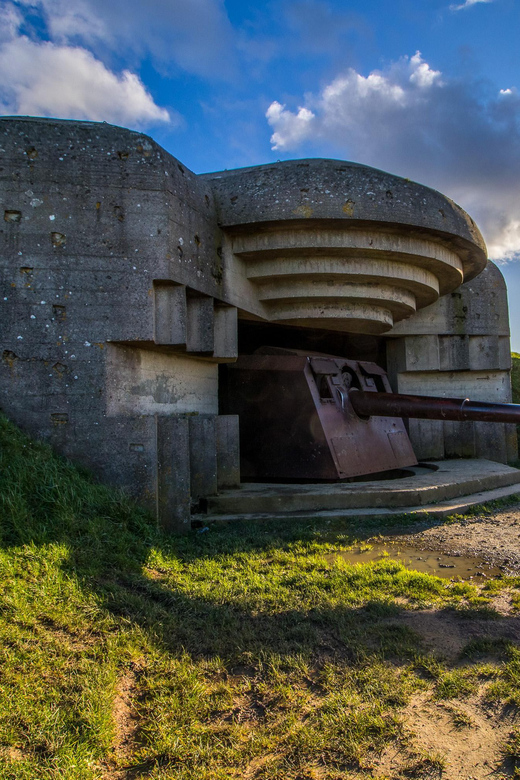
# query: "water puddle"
[426,561]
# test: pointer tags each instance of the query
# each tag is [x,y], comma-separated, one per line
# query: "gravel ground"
[495,537]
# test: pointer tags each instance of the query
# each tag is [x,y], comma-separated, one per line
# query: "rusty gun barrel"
[426,407]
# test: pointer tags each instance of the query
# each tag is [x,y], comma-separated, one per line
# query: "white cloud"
[468,4]
[348,100]
[10,21]
[420,72]
[194,35]
[46,79]
[292,128]
[462,138]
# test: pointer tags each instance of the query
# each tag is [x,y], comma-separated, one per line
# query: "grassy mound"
[234,652]
[515,377]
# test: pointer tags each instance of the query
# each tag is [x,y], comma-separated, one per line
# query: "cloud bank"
[43,79]
[192,35]
[56,78]
[462,138]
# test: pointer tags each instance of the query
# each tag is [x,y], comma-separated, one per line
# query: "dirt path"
[446,741]
[462,739]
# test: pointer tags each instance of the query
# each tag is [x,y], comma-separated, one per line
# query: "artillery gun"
[310,416]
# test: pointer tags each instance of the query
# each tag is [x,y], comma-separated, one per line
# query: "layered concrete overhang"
[127,280]
[341,246]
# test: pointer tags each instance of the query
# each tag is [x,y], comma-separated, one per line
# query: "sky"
[425,89]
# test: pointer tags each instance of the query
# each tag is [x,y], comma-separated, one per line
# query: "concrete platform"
[451,488]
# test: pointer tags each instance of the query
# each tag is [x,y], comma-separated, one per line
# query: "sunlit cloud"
[457,136]
[48,79]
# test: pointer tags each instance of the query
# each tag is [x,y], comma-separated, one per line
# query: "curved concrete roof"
[313,243]
[353,194]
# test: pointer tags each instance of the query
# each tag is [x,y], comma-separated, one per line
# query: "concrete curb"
[448,504]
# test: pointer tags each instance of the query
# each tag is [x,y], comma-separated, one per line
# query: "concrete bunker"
[129,283]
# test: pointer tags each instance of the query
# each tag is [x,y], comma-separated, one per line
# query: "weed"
[460,718]
[511,750]
[497,647]
[426,765]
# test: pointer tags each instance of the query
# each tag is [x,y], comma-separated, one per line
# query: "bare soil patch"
[461,741]
[493,537]
[126,722]
[447,634]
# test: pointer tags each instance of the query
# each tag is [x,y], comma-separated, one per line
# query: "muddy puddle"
[426,561]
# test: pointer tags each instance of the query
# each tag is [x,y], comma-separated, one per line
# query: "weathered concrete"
[458,347]
[173,473]
[228,455]
[437,510]
[126,280]
[315,189]
[452,479]
[113,320]
[339,245]
[203,456]
[478,308]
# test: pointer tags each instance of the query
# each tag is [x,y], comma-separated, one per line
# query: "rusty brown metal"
[297,422]
[432,408]
[309,416]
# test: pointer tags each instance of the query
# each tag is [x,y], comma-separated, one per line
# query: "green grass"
[237,652]
[515,377]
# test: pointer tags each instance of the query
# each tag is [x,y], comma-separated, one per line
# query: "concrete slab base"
[452,488]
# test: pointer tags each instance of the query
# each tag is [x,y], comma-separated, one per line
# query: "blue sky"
[427,89]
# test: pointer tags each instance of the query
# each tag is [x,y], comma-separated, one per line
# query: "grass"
[234,653]
[515,377]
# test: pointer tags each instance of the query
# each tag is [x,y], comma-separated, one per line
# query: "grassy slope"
[229,653]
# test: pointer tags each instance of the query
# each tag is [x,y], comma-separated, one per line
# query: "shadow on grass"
[229,593]
[109,541]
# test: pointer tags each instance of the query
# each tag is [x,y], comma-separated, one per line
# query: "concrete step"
[455,506]
[427,486]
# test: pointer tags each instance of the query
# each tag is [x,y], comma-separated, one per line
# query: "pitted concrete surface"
[439,491]
[126,278]
[339,245]
[316,189]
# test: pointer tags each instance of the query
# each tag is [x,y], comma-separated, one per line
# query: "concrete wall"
[458,347]
[340,246]
[123,276]
[112,325]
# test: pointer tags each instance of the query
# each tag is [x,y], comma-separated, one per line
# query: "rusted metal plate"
[296,420]
[401,447]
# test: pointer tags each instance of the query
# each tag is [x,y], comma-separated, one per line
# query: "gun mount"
[307,416]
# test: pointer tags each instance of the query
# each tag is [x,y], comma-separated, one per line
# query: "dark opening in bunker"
[296,422]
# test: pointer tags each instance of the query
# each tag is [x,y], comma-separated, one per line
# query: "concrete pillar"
[173,473]
[200,324]
[170,313]
[228,451]
[225,332]
[203,456]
